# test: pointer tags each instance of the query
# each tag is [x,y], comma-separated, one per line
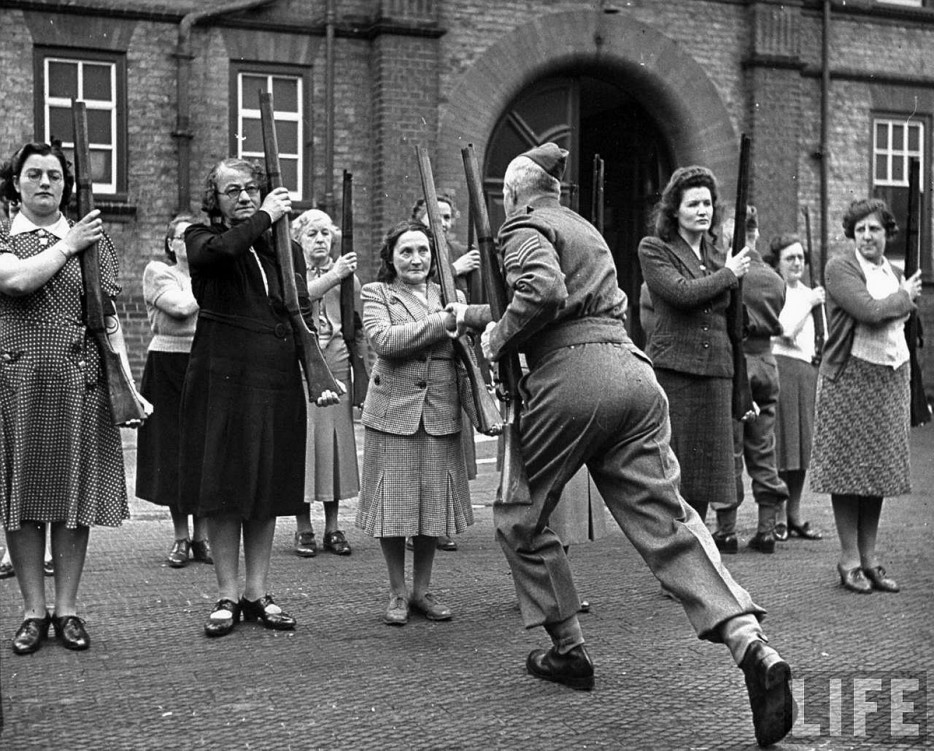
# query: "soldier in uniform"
[591,397]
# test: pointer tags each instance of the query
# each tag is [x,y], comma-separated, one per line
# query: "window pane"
[63,79]
[898,169]
[253,86]
[914,137]
[60,124]
[882,136]
[287,134]
[100,166]
[898,137]
[289,169]
[251,139]
[97,82]
[881,167]
[285,94]
[99,130]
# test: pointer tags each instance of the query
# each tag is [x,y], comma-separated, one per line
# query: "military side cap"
[550,157]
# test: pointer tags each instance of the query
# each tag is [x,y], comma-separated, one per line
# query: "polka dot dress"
[61,458]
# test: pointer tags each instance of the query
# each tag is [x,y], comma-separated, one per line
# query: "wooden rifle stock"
[742,394]
[488,417]
[358,373]
[475,295]
[596,209]
[920,412]
[817,312]
[124,404]
[514,483]
[317,373]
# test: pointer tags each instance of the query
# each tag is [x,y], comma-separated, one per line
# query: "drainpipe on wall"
[330,16]
[182,133]
[824,135]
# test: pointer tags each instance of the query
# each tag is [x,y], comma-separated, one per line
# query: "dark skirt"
[157,440]
[794,423]
[242,450]
[861,431]
[699,408]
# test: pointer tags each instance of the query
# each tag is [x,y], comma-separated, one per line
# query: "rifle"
[742,394]
[488,417]
[920,411]
[475,295]
[514,483]
[359,377]
[817,312]
[317,373]
[596,207]
[125,406]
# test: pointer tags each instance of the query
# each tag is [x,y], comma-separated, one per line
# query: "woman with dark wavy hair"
[860,450]
[62,461]
[414,480]
[690,280]
[242,446]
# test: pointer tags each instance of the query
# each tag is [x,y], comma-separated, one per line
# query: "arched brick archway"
[671,85]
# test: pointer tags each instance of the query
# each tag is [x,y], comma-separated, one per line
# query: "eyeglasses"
[35,175]
[234,191]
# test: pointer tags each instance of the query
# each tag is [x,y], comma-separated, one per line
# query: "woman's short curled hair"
[387,272]
[170,231]
[683,179]
[209,194]
[419,211]
[14,167]
[312,216]
[777,244]
[863,207]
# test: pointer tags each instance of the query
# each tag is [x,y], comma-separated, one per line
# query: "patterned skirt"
[413,485]
[701,434]
[861,431]
[794,418]
[331,472]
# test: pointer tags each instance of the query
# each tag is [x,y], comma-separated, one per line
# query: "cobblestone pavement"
[151,680]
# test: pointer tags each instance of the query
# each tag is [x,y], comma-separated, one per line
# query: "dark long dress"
[242,451]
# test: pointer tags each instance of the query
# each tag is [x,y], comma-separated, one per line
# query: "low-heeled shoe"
[428,606]
[764,542]
[781,532]
[201,551]
[30,635]
[178,555]
[768,683]
[805,531]
[70,630]
[878,579]
[306,546]
[573,669]
[397,614]
[726,543]
[266,612]
[335,542]
[446,543]
[222,626]
[6,570]
[854,580]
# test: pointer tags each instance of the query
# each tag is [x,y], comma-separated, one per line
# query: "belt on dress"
[279,330]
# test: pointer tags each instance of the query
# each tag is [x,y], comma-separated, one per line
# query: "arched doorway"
[590,115]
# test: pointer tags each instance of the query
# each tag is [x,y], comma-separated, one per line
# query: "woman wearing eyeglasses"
[242,447]
[61,462]
[172,311]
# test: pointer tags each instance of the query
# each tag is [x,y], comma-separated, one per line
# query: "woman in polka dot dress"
[60,455]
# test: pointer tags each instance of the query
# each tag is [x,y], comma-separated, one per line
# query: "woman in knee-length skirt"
[415,475]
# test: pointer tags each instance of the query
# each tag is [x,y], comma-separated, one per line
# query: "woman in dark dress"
[689,280]
[242,449]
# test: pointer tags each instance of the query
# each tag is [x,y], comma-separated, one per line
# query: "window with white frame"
[67,78]
[288,97]
[896,141]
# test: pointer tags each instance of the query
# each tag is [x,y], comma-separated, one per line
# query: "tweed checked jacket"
[690,302]
[415,378]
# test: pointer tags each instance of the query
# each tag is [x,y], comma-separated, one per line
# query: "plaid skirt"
[413,485]
[861,431]
[794,417]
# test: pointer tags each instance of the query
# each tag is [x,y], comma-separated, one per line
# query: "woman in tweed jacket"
[689,281]
[415,476]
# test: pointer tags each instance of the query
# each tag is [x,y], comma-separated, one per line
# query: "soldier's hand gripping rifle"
[743,408]
[124,399]
[817,312]
[317,373]
[514,483]
[920,411]
[349,318]
[489,420]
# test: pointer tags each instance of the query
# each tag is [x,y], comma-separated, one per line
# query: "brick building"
[837,96]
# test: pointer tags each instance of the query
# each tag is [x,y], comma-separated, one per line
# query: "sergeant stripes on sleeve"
[521,254]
